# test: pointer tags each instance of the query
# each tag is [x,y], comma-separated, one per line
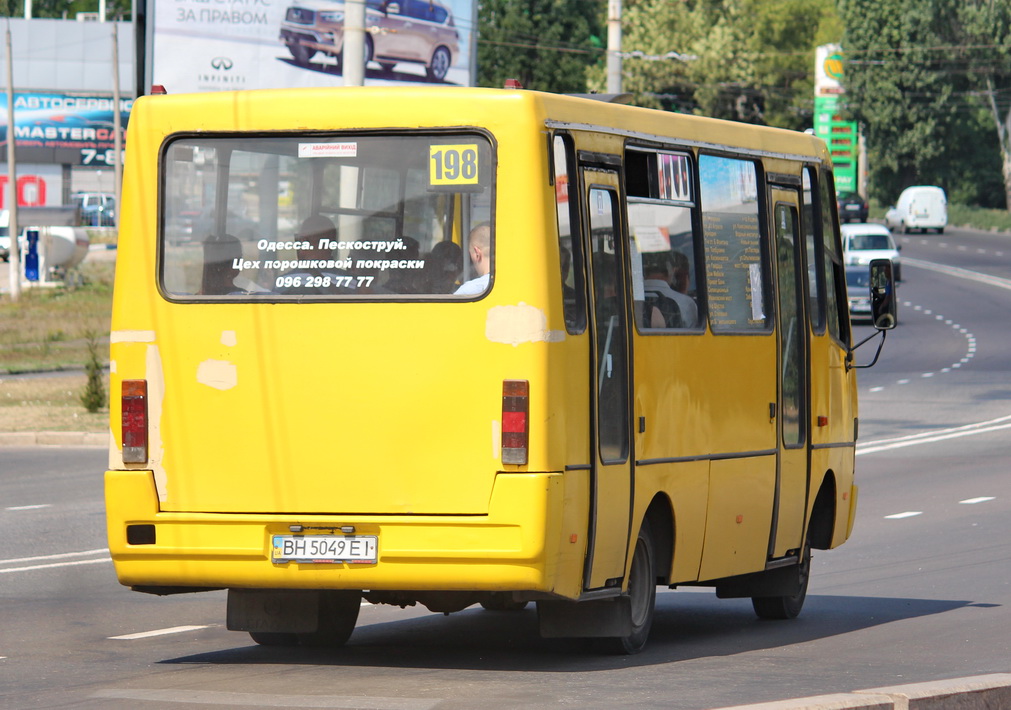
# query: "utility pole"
[14,263]
[614,46]
[354,43]
[117,128]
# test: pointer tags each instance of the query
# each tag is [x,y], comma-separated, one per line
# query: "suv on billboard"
[417,31]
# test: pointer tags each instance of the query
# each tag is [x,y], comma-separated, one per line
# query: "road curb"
[983,692]
[54,438]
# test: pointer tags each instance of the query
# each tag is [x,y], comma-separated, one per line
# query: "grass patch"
[960,216]
[979,218]
[46,329]
[51,403]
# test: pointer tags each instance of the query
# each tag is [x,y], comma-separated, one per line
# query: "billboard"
[36,186]
[213,45]
[840,134]
[83,124]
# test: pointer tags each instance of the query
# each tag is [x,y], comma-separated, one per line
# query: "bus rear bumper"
[512,548]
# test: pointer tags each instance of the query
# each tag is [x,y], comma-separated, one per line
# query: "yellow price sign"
[450,165]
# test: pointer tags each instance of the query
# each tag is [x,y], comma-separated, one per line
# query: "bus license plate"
[324,548]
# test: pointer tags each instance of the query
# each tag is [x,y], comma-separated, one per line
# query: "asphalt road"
[921,591]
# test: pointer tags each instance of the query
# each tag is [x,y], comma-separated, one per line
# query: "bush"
[93,397]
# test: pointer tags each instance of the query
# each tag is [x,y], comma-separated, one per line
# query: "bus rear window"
[313,217]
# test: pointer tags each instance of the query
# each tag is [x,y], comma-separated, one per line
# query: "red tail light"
[515,421]
[134,421]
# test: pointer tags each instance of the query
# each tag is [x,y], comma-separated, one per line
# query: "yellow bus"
[450,346]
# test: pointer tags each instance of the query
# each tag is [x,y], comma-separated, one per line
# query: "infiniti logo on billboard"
[224,75]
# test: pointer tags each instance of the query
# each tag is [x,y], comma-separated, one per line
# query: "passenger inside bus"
[219,273]
[667,280]
[407,280]
[443,266]
[657,271]
[312,231]
[479,249]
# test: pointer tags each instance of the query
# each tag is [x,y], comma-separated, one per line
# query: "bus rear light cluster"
[134,421]
[515,421]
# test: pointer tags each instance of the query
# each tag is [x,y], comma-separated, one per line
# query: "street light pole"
[354,43]
[614,46]
[117,128]
[14,262]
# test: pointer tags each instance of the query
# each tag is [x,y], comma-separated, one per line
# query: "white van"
[921,207]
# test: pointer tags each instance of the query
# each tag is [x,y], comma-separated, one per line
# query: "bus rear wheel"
[642,598]
[786,607]
[502,602]
[264,638]
[338,614]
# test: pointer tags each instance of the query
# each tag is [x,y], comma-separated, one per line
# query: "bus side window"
[836,304]
[569,252]
[814,250]
[663,244]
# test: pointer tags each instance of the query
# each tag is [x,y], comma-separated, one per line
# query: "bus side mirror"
[884,313]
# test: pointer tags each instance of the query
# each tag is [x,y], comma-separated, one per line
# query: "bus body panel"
[512,547]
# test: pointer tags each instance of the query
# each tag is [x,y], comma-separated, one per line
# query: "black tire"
[503,602]
[387,66]
[338,615]
[642,594]
[300,52]
[369,51]
[273,639]
[439,65]
[786,607]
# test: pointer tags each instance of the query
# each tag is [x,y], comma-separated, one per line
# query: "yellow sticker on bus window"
[453,165]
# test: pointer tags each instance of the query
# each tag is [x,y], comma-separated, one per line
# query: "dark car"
[858,292]
[852,207]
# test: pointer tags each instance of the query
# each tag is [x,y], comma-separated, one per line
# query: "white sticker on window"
[327,150]
[757,307]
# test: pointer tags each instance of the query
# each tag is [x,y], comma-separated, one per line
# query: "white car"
[864,242]
[919,208]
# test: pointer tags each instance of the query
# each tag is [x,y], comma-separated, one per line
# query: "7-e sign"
[91,156]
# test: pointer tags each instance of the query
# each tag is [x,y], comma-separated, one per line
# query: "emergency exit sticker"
[327,150]
[453,165]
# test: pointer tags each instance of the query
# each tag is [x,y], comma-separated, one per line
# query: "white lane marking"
[58,564]
[973,501]
[970,347]
[269,700]
[60,556]
[28,507]
[908,514]
[960,273]
[930,437]
[157,632]
[67,559]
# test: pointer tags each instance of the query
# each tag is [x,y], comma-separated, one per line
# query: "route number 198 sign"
[453,165]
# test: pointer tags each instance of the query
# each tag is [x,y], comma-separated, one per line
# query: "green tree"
[546,45]
[919,77]
[747,60]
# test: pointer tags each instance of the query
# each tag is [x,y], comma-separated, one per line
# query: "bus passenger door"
[792,479]
[611,479]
